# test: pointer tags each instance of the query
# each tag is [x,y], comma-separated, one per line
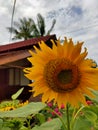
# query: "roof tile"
[22,44]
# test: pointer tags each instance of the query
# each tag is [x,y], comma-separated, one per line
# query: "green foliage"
[31,108]
[90,116]
[14,124]
[5,128]
[16,95]
[9,103]
[26,28]
[24,128]
[39,116]
[87,119]
[96,96]
[54,124]
[1,123]
[82,123]
[2,127]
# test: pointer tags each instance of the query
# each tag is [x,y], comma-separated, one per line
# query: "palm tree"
[22,29]
[41,25]
[26,28]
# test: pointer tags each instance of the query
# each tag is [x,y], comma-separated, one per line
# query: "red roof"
[19,50]
[26,43]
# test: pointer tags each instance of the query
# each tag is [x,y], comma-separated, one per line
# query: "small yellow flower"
[23,103]
[9,107]
[62,73]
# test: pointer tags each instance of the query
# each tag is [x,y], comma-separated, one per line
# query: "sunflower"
[62,73]
[11,105]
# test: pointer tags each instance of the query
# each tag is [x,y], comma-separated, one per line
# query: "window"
[16,77]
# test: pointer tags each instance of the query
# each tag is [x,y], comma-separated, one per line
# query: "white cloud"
[74,19]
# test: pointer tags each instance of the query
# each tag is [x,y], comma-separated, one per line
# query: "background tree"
[26,28]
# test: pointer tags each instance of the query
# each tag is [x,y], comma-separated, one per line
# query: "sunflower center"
[61,75]
[65,76]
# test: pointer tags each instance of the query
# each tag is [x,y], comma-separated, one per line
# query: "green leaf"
[16,95]
[5,128]
[40,117]
[94,109]
[81,123]
[91,116]
[23,128]
[1,123]
[95,92]
[31,108]
[54,124]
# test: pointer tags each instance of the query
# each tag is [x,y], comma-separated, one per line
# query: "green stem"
[28,123]
[78,112]
[68,120]
[75,115]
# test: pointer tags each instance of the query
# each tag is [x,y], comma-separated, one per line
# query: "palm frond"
[52,26]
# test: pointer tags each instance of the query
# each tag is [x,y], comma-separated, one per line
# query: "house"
[13,58]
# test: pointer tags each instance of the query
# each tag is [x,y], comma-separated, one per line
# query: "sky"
[74,19]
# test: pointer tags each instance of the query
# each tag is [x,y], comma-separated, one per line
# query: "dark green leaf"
[40,117]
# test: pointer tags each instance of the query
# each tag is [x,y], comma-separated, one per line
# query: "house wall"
[3,82]
[11,80]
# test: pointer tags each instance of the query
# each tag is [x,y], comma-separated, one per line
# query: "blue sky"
[74,18]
